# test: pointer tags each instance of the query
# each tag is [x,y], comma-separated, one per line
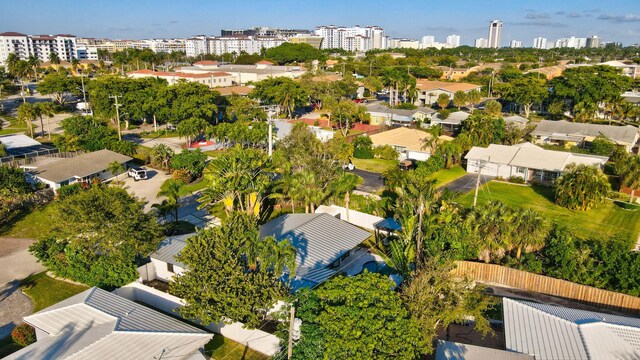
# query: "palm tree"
[304,187]
[530,231]
[443,100]
[401,251]
[45,109]
[345,185]
[433,141]
[282,188]
[163,209]
[173,190]
[630,175]
[191,128]
[74,65]
[491,225]
[581,187]
[115,168]
[34,62]
[54,59]
[278,255]
[12,61]
[26,114]
[162,153]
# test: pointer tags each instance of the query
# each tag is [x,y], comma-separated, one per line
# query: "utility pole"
[117,114]
[475,195]
[84,95]
[291,321]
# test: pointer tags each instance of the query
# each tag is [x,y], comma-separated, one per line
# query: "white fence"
[357,218]
[258,340]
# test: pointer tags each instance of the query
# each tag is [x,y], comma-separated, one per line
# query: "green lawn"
[446,176]
[45,291]
[191,187]
[606,220]
[222,348]
[374,165]
[34,225]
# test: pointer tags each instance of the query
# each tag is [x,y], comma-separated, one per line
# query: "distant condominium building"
[265,31]
[40,46]
[515,44]
[313,40]
[242,43]
[352,38]
[495,34]
[593,42]
[540,43]
[403,44]
[572,42]
[481,43]
[428,41]
[453,41]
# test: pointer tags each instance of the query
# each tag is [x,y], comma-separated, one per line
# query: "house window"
[170,268]
[520,170]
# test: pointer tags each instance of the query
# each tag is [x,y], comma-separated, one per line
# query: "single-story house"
[382,115]
[517,121]
[429,90]
[323,243]
[452,123]
[525,160]
[211,79]
[283,129]
[165,266]
[21,145]
[570,134]
[97,324]
[551,332]
[449,350]
[57,172]
[407,141]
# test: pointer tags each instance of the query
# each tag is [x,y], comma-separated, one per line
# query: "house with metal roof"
[164,265]
[452,122]
[551,332]
[97,324]
[579,134]
[525,160]
[57,172]
[449,350]
[20,145]
[323,242]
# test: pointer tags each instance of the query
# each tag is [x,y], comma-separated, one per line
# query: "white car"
[137,173]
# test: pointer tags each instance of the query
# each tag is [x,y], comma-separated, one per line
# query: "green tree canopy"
[290,53]
[358,317]
[59,86]
[581,187]
[281,91]
[97,235]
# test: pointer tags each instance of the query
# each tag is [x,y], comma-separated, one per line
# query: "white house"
[452,122]
[242,74]
[57,172]
[570,133]
[164,264]
[100,325]
[525,160]
[410,143]
[283,129]
[429,90]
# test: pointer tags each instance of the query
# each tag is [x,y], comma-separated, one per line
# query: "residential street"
[17,264]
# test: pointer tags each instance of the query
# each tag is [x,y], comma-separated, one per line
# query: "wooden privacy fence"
[489,273]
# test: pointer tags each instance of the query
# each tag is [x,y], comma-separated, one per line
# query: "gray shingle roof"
[97,324]
[620,134]
[555,332]
[79,166]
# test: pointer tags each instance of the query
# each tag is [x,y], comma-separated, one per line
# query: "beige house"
[211,79]
[407,141]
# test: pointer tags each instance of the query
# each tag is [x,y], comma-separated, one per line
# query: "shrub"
[65,191]
[193,161]
[362,147]
[406,106]
[363,153]
[24,335]
[517,179]
[386,152]
[182,175]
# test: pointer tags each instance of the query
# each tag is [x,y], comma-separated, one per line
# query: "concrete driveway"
[466,183]
[17,264]
[372,181]
[146,190]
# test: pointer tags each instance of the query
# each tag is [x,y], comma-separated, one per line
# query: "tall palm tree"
[45,109]
[54,59]
[491,225]
[162,154]
[34,62]
[278,255]
[305,188]
[345,185]
[434,140]
[12,60]
[630,175]
[116,169]
[530,231]
[26,114]
[74,65]
[163,209]
[282,188]
[174,191]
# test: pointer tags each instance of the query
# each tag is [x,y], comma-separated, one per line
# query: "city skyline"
[406,19]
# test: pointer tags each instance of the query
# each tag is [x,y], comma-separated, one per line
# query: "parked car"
[137,173]
[407,164]
[349,166]
[361,101]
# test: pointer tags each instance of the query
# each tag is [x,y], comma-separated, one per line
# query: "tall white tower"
[495,33]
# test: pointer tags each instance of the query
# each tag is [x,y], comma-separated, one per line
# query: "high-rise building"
[495,34]
[593,42]
[481,43]
[428,41]
[540,43]
[453,41]
[40,46]
[515,44]
[264,31]
[354,38]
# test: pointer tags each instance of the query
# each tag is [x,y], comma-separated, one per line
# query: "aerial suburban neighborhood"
[406,189]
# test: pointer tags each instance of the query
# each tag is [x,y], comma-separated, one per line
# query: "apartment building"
[211,79]
[265,31]
[540,43]
[515,44]
[239,43]
[40,46]
[196,46]
[354,38]
[495,34]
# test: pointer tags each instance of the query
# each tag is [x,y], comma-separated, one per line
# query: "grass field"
[46,291]
[222,348]
[374,165]
[34,225]
[446,176]
[606,220]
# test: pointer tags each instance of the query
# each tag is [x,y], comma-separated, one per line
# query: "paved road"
[466,183]
[17,264]
[146,189]
[372,181]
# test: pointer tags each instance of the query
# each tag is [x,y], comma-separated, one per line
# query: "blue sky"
[136,19]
